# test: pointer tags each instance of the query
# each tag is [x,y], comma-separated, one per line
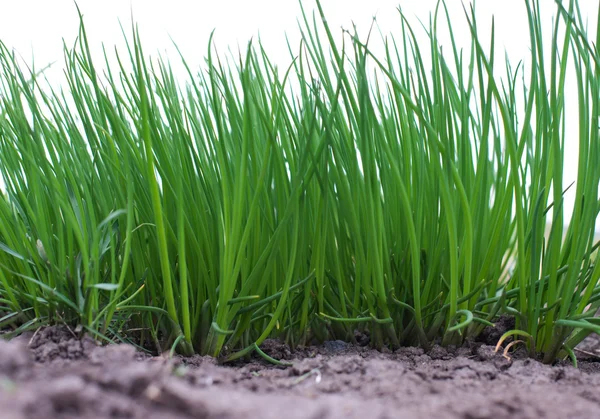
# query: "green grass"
[348,191]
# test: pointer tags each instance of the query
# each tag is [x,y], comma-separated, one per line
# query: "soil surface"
[52,374]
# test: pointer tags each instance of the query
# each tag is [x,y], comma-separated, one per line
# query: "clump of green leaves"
[349,191]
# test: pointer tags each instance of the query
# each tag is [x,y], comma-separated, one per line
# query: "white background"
[36,28]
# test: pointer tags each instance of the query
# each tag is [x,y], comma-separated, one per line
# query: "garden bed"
[418,195]
[52,374]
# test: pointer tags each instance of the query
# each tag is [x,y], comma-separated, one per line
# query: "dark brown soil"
[54,375]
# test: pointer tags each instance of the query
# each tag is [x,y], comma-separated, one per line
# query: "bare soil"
[53,374]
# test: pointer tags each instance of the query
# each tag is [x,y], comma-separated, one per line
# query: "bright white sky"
[36,28]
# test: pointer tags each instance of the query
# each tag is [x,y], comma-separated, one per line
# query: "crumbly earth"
[52,374]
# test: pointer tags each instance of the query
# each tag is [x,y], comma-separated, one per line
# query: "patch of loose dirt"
[54,375]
